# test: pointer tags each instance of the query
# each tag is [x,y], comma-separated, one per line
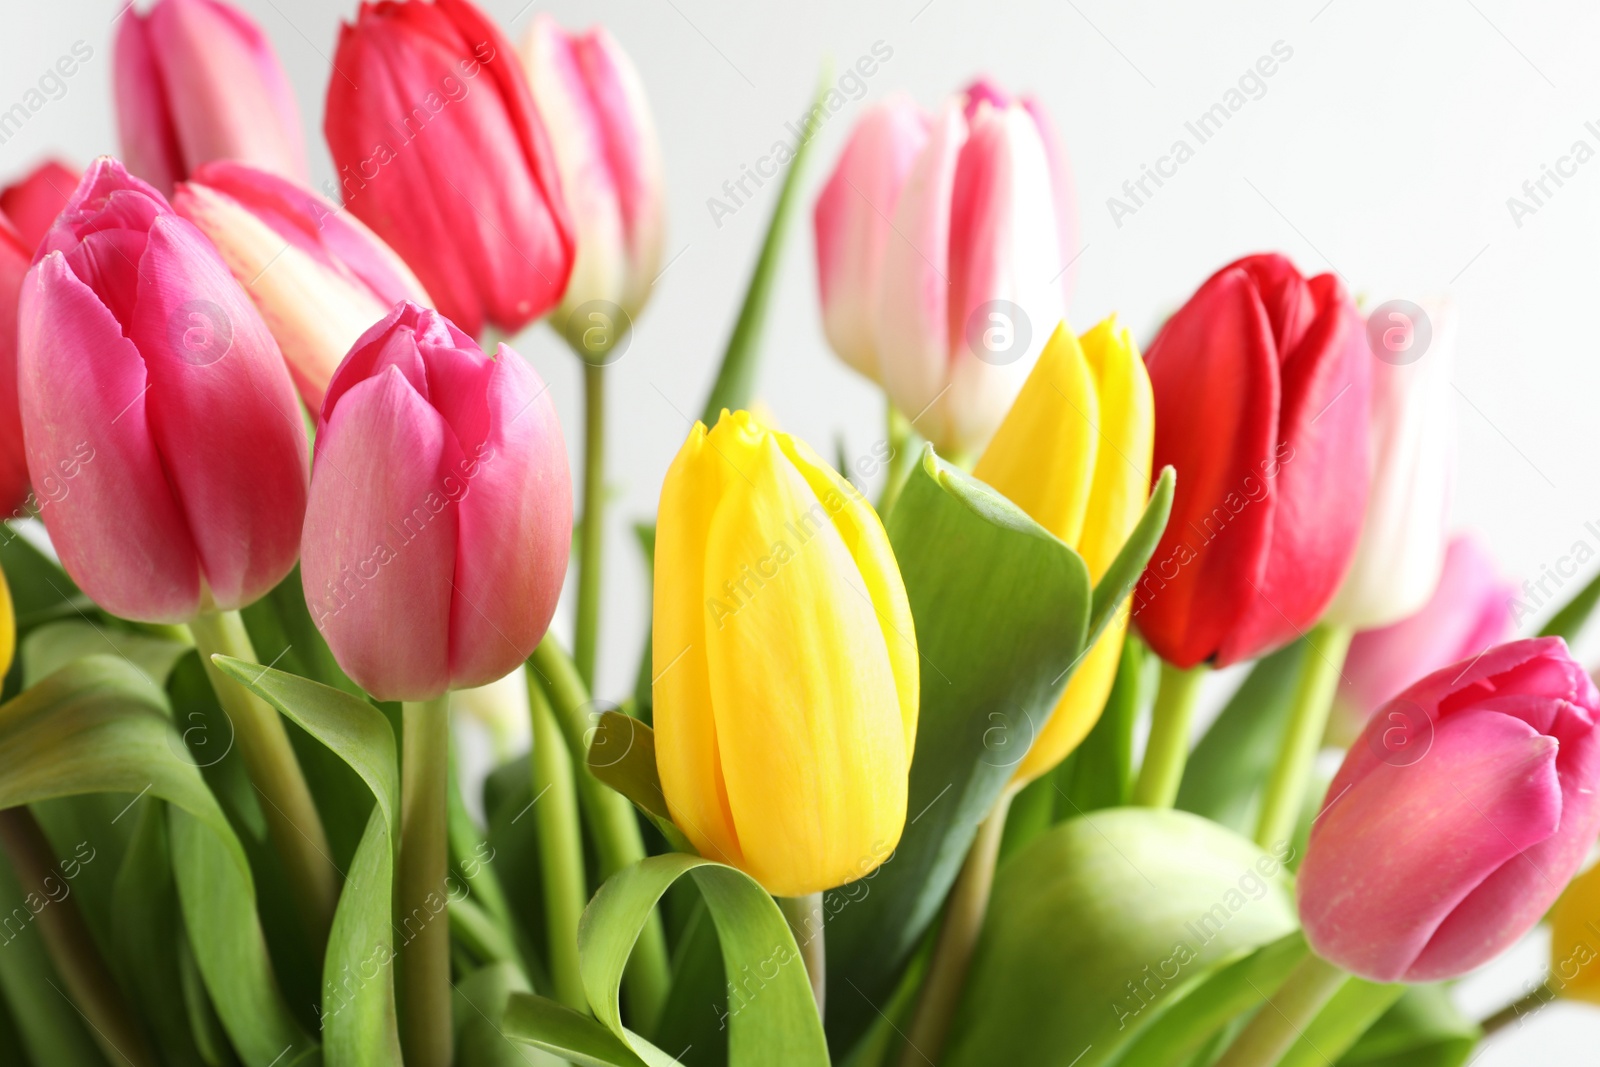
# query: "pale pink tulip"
[196,80]
[32,203]
[318,276]
[152,390]
[440,517]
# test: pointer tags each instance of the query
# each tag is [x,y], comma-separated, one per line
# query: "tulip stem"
[421,895]
[591,536]
[1320,669]
[68,942]
[1168,749]
[561,869]
[958,937]
[902,454]
[1285,1015]
[291,814]
[612,825]
[805,918]
[1520,1010]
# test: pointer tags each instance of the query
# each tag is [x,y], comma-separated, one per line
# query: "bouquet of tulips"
[910,778]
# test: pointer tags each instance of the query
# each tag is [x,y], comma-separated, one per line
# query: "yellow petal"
[1574,945]
[1080,705]
[8,626]
[1127,437]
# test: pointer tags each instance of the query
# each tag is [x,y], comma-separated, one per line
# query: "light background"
[1384,149]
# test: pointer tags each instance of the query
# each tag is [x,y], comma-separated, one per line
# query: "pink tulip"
[15,254]
[973,282]
[440,516]
[152,391]
[593,104]
[440,151]
[196,80]
[33,203]
[1470,610]
[318,276]
[1458,817]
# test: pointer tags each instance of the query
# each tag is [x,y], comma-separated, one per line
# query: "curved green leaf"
[1097,927]
[99,726]
[1423,1029]
[556,1028]
[1354,1008]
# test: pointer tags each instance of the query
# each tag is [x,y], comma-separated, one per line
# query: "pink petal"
[144,121]
[33,203]
[14,257]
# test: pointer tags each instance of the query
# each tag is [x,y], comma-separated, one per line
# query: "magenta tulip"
[152,391]
[15,254]
[441,152]
[1470,611]
[32,203]
[1459,815]
[318,276]
[440,517]
[196,80]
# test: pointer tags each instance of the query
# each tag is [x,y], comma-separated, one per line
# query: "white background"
[1385,150]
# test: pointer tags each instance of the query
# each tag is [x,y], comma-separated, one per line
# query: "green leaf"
[1422,1029]
[98,725]
[358,1001]
[697,1001]
[775,1023]
[1098,926]
[54,645]
[736,378]
[1001,610]
[1099,773]
[1354,1008]
[480,1004]
[1568,622]
[1118,581]
[558,1029]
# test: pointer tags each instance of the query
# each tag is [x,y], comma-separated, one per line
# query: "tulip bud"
[594,107]
[196,80]
[1469,612]
[786,698]
[1402,543]
[440,151]
[1261,388]
[318,276]
[1074,453]
[974,278]
[15,254]
[33,203]
[152,390]
[440,514]
[1458,816]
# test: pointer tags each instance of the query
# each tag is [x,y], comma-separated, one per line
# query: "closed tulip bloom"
[973,282]
[440,517]
[318,276]
[593,105]
[15,256]
[196,80]
[441,152]
[1261,386]
[1401,548]
[1470,611]
[151,389]
[32,203]
[1074,453]
[786,706]
[1457,817]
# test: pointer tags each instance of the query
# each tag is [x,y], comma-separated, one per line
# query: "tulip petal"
[92,457]
[33,203]
[380,540]
[1126,430]
[144,121]
[14,257]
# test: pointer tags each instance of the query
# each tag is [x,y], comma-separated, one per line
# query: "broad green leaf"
[41,592]
[1001,610]
[557,1029]
[98,725]
[776,1023]
[1569,621]
[358,1003]
[1097,927]
[697,1001]
[736,377]
[480,1005]
[622,754]
[1353,1009]
[1099,773]
[1423,1029]
[1111,592]
[52,646]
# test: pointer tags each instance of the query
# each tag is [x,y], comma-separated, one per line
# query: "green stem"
[902,454]
[1168,750]
[805,918]
[612,824]
[421,893]
[1308,720]
[958,937]
[591,536]
[292,818]
[561,870]
[1519,1010]
[67,940]
[1285,1015]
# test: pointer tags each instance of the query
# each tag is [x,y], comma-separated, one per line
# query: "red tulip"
[440,517]
[15,254]
[1261,386]
[196,80]
[151,387]
[1458,817]
[33,203]
[440,151]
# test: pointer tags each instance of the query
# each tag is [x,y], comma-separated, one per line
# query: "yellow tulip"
[786,686]
[1074,453]
[1575,939]
[8,627]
